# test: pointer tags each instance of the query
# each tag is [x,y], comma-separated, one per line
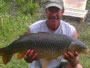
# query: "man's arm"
[75,35]
[73,59]
[29,31]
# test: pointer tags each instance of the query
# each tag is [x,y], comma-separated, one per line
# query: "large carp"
[48,46]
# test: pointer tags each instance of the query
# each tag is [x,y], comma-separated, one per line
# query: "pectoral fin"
[45,63]
[20,55]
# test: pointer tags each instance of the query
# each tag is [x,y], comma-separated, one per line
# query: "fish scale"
[48,46]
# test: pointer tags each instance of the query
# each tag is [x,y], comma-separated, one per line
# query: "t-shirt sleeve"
[72,30]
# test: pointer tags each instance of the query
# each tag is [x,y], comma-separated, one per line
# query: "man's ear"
[62,11]
[46,12]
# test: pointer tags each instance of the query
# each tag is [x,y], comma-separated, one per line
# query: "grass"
[14,63]
[84,35]
[11,27]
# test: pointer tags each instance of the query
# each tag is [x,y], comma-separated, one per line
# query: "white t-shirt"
[41,26]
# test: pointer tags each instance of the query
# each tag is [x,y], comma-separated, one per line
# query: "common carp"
[48,46]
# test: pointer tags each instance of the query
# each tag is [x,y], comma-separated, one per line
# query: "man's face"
[54,14]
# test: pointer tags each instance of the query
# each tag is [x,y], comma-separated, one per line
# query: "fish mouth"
[86,51]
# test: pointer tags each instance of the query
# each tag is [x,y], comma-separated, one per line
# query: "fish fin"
[2,51]
[45,63]
[6,58]
[72,47]
[20,55]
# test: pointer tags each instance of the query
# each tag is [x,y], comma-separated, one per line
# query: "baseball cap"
[55,3]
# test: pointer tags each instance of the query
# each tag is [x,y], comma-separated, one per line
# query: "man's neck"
[52,27]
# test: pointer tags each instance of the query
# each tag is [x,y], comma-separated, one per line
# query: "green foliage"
[19,3]
[2,6]
[23,6]
[9,26]
[14,63]
[88,2]
[83,30]
[30,8]
[27,7]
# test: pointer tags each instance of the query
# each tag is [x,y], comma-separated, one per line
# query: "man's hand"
[31,56]
[72,58]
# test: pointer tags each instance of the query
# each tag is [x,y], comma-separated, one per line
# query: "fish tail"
[5,56]
[2,51]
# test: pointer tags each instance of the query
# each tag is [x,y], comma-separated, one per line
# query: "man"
[53,24]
